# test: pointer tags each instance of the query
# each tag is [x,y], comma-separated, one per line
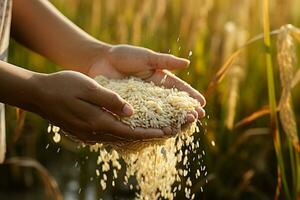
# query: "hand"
[80,106]
[126,60]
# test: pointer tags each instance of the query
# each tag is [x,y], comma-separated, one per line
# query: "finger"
[194,113]
[115,127]
[169,80]
[190,118]
[104,122]
[90,124]
[166,61]
[110,100]
[169,131]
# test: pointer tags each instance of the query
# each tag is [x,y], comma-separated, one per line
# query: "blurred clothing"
[5,20]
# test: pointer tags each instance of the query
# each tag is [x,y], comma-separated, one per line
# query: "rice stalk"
[138,22]
[110,8]
[199,22]
[52,190]
[291,82]
[160,10]
[229,41]
[235,76]
[272,99]
[279,185]
[218,77]
[20,117]
[95,25]
[229,46]
[234,81]
[185,18]
[221,73]
[122,31]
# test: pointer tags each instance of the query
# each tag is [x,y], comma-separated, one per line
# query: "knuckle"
[92,125]
[166,60]
[92,87]
[116,100]
[114,96]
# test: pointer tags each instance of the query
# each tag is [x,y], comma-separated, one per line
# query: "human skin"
[72,99]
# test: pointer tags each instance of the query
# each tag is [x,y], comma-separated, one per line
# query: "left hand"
[126,60]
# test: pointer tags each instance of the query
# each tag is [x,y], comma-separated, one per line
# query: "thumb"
[167,61]
[111,101]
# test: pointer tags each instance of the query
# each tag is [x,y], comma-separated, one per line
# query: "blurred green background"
[242,164]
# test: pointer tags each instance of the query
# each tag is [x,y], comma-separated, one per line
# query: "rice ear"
[233,95]
[293,31]
[296,78]
[235,77]
[295,34]
[287,60]
[288,121]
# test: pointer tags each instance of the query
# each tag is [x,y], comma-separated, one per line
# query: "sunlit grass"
[243,154]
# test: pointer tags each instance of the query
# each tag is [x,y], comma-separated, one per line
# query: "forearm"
[17,86]
[41,27]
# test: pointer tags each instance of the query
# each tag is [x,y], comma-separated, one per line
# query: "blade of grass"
[298,174]
[222,72]
[272,98]
[247,120]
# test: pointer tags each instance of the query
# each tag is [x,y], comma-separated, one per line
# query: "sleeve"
[2,133]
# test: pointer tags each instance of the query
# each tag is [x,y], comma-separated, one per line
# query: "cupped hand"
[80,106]
[126,60]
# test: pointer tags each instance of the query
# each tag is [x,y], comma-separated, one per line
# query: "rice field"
[243,57]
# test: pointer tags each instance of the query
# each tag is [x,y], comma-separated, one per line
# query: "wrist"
[18,86]
[34,92]
[98,51]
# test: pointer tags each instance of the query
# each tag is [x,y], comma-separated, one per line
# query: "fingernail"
[194,113]
[127,110]
[186,61]
[167,131]
[201,112]
[190,118]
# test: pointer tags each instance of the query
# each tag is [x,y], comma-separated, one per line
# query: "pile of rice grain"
[152,162]
[154,107]
[156,164]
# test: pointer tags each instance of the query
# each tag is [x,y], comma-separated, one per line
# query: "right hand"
[81,107]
